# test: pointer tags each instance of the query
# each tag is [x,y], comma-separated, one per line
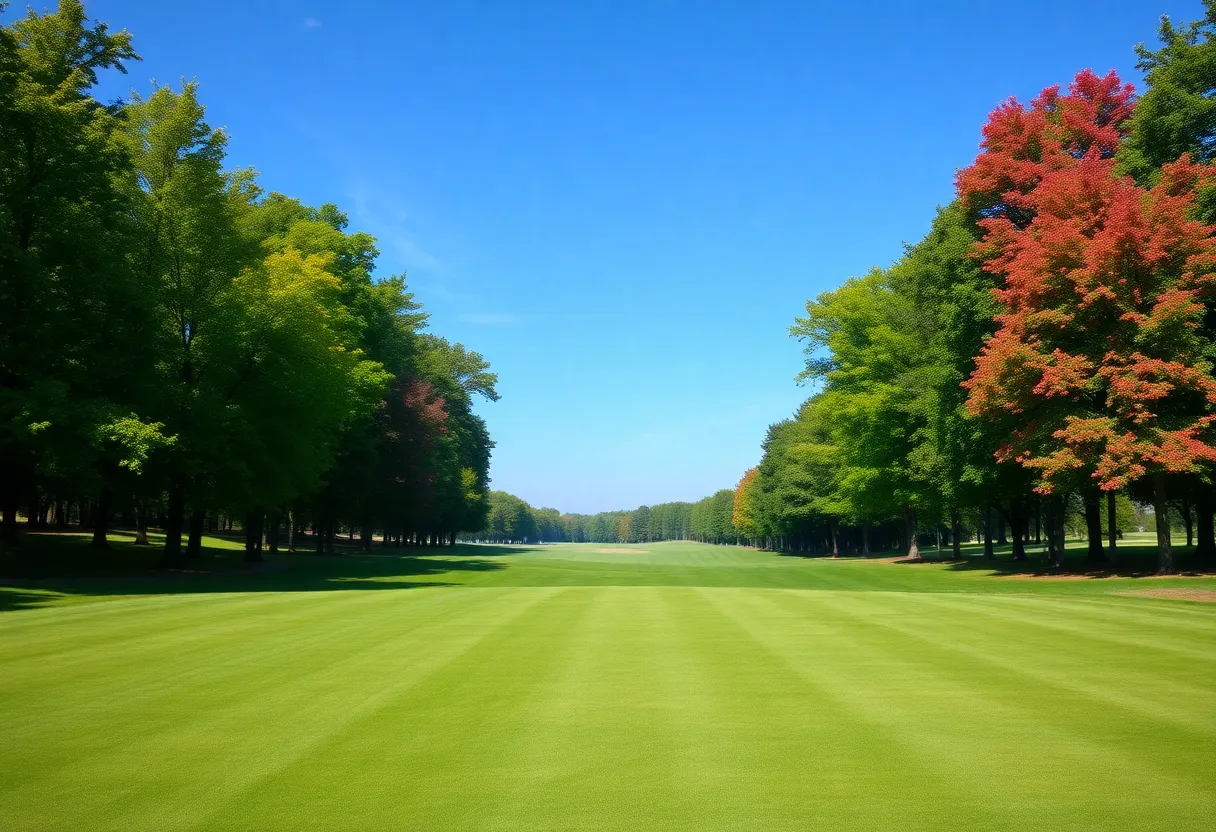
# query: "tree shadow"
[64,565]
[843,557]
[1129,562]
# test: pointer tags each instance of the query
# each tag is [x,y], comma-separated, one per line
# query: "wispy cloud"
[409,250]
[385,215]
[312,23]
[491,319]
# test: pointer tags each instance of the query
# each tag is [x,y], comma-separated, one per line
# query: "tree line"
[179,348]
[1045,352]
[512,520]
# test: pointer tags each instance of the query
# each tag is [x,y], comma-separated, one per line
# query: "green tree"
[867,344]
[1177,112]
[70,308]
[639,525]
[189,254]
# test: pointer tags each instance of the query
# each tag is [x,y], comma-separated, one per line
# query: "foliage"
[174,342]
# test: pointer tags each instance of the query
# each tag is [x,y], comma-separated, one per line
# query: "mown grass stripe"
[962,727]
[165,778]
[1018,694]
[686,687]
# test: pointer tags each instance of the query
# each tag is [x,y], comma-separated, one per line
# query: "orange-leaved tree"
[743,512]
[1097,366]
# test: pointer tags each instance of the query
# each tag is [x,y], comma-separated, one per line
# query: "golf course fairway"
[660,687]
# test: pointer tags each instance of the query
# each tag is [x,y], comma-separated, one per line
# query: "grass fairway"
[685,687]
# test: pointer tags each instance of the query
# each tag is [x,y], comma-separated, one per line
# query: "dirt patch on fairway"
[1181,594]
[621,551]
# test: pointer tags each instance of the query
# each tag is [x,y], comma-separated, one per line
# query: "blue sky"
[623,205]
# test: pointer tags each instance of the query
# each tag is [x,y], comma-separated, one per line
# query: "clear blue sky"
[623,205]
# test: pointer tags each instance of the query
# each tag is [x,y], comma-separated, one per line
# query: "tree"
[70,308]
[744,515]
[1096,367]
[190,254]
[875,352]
[639,525]
[169,334]
[290,364]
[1177,113]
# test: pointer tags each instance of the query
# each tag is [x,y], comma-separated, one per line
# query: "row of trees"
[175,343]
[1050,341]
[511,520]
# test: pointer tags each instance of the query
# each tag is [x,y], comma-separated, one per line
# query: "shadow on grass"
[1131,561]
[52,565]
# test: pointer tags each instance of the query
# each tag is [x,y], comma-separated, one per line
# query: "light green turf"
[684,688]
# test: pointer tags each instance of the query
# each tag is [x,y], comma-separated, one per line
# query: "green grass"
[686,687]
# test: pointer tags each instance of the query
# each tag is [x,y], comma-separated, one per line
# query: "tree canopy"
[177,345]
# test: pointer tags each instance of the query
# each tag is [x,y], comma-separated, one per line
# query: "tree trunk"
[253,536]
[865,540]
[1001,539]
[8,526]
[910,531]
[194,543]
[1018,526]
[1188,522]
[988,512]
[141,523]
[1205,545]
[1165,551]
[1111,521]
[35,520]
[172,557]
[1093,524]
[1055,529]
[1061,530]
[273,530]
[956,542]
[101,518]
[835,539]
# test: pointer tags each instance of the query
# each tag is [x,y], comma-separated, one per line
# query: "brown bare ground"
[620,551]
[1179,593]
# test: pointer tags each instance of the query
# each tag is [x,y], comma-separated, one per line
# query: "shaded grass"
[690,687]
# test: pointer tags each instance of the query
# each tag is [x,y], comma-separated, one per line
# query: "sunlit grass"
[684,687]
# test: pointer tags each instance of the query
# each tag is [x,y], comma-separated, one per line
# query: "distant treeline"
[177,344]
[511,520]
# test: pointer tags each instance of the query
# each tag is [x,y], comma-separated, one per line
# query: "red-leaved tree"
[414,420]
[1097,367]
